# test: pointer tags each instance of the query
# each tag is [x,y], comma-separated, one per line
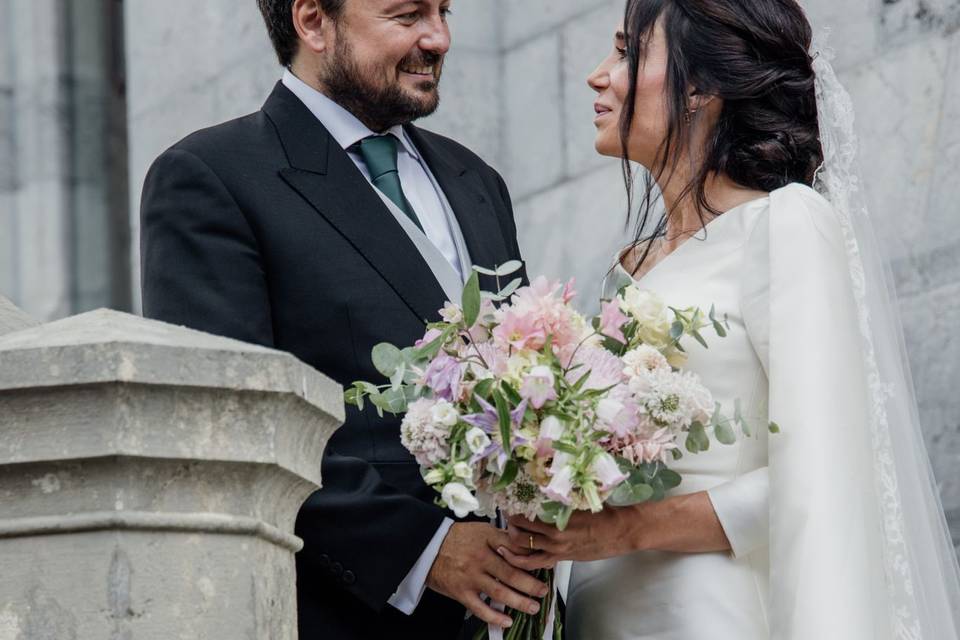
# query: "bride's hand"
[681,524]
[588,536]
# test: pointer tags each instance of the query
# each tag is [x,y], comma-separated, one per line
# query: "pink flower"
[443,376]
[561,485]
[607,472]
[427,338]
[612,321]
[537,387]
[520,331]
[569,293]
[550,429]
[606,369]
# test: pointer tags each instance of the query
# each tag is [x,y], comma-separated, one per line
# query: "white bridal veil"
[920,567]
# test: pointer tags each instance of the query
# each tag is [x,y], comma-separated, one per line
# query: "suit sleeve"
[202,268]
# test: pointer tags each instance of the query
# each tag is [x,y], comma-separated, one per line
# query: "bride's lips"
[602,110]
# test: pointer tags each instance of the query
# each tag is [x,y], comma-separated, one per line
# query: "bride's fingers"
[533,526]
[530,562]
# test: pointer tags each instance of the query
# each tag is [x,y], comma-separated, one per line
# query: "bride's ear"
[698,100]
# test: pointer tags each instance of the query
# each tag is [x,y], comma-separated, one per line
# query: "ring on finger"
[532,547]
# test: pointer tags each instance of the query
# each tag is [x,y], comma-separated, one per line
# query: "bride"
[831,528]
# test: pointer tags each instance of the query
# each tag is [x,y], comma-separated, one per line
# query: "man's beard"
[378,107]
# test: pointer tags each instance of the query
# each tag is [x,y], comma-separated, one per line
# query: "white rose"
[434,476]
[649,311]
[477,440]
[444,414]
[463,471]
[459,499]
[642,304]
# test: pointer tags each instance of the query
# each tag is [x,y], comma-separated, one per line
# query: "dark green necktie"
[380,155]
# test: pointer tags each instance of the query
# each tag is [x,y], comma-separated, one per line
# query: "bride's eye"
[621,52]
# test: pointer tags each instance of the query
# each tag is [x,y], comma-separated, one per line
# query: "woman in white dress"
[832,528]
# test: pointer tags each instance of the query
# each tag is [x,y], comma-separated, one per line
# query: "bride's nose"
[599,79]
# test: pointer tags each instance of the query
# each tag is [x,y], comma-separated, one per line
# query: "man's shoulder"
[456,149]
[241,137]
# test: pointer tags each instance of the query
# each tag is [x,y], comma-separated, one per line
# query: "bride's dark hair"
[752,54]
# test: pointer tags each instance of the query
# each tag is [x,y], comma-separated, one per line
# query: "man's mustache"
[422,59]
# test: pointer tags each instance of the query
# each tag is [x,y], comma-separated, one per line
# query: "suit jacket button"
[324,561]
[348,577]
[336,569]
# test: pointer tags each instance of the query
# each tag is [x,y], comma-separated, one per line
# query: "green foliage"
[510,471]
[697,440]
[503,413]
[470,300]
[386,358]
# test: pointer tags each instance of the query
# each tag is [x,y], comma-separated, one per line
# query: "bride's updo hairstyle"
[754,56]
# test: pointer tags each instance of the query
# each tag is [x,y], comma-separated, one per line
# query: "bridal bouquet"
[517,402]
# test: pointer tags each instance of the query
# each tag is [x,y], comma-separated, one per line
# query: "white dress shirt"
[418,186]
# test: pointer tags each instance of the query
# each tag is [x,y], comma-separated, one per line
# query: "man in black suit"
[321,225]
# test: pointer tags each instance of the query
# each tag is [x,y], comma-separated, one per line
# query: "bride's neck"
[684,212]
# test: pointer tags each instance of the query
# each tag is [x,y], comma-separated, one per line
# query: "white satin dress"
[728,596]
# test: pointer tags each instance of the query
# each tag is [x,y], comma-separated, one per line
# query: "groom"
[321,225]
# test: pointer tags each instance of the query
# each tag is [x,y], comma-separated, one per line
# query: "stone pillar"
[150,477]
[12,318]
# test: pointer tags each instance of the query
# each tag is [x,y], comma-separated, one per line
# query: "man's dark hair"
[278,16]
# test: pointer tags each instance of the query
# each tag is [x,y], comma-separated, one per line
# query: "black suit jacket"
[263,229]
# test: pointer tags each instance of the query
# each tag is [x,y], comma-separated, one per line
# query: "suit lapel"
[470,202]
[323,174]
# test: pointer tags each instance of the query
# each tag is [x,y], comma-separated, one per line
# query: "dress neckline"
[711,229]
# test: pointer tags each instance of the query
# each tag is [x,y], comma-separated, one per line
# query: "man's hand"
[468,564]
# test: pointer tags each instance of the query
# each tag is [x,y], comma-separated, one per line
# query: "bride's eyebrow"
[620,37]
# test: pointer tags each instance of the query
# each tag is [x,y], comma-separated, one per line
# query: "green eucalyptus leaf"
[724,433]
[628,493]
[353,397]
[677,330]
[508,290]
[669,479]
[509,268]
[699,338]
[470,301]
[486,272]
[774,427]
[697,440]
[718,328]
[386,358]
[392,401]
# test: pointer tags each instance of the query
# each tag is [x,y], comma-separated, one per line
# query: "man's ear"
[312,25]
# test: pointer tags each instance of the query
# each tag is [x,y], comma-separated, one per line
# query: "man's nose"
[437,37]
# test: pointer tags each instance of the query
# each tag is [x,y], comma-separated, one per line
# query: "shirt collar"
[345,128]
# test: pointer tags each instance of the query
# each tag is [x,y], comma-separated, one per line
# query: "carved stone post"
[150,477]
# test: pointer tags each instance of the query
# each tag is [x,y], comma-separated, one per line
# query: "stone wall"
[63,180]
[515,90]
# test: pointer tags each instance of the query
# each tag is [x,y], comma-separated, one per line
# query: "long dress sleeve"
[826,576]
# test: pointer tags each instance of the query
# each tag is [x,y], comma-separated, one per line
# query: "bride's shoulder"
[801,212]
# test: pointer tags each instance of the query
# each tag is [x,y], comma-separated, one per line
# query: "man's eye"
[446,13]
[409,18]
